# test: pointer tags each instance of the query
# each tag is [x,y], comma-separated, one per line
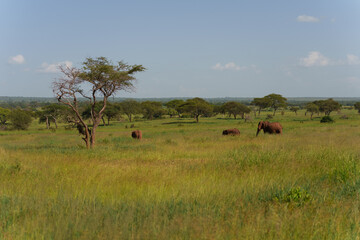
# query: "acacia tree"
[276,101]
[294,109]
[312,108]
[357,106]
[261,103]
[102,79]
[327,106]
[152,109]
[130,108]
[197,107]
[235,108]
[175,105]
[51,113]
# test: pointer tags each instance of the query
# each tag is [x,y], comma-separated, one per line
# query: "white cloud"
[314,59]
[353,59]
[229,66]
[18,59]
[306,18]
[53,68]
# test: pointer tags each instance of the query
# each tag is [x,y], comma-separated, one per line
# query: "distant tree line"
[51,114]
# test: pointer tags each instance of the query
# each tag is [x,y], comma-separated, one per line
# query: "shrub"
[20,119]
[296,195]
[327,119]
[269,116]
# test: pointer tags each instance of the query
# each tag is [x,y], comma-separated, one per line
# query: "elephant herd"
[267,127]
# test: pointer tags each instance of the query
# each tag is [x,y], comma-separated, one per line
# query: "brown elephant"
[268,127]
[137,134]
[233,132]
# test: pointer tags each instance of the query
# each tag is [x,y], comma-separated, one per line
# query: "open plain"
[184,180]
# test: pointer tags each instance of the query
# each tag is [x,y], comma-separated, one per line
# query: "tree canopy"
[236,108]
[327,106]
[130,108]
[276,101]
[357,106]
[197,107]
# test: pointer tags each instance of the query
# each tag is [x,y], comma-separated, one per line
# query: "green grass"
[184,181]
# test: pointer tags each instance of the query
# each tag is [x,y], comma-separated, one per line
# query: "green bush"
[296,195]
[20,119]
[327,119]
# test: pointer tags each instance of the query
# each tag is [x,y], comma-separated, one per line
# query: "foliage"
[20,119]
[275,101]
[152,109]
[261,103]
[269,116]
[327,106]
[296,196]
[112,110]
[197,107]
[357,106]
[235,108]
[4,115]
[130,108]
[326,119]
[175,105]
[294,109]
[51,113]
[312,108]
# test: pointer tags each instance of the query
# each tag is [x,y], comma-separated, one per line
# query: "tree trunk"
[103,120]
[47,122]
[274,112]
[129,116]
[56,126]
[108,121]
[235,116]
[197,118]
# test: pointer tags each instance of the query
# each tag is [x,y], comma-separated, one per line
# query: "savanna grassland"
[184,181]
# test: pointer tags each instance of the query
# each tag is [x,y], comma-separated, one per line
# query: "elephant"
[268,127]
[137,134]
[232,132]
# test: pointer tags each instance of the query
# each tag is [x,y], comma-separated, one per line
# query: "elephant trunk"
[257,132]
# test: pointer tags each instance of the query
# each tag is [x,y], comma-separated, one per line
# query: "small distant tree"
[312,108]
[261,103]
[152,109]
[175,105]
[328,106]
[357,106]
[130,108]
[51,113]
[197,107]
[276,101]
[4,115]
[103,79]
[218,109]
[112,110]
[235,108]
[20,119]
[294,109]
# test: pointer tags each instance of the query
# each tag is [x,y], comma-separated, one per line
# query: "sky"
[190,48]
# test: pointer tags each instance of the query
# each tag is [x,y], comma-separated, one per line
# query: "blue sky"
[190,48]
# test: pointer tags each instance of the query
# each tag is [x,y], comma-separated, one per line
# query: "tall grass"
[184,181]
